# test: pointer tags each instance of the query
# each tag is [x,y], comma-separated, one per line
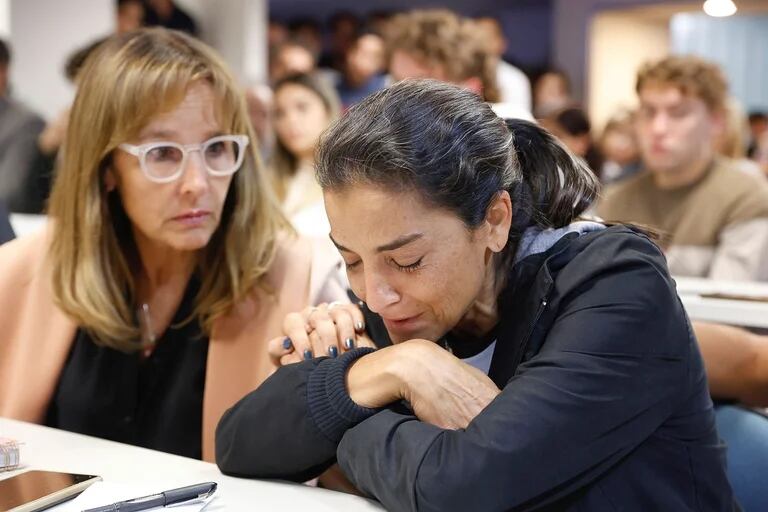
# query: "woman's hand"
[323,330]
[441,389]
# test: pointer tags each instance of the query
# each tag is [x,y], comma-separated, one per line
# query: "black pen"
[163,499]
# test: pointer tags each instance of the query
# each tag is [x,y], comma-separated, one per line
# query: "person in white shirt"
[514,86]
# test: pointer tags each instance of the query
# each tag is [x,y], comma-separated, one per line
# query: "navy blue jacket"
[604,405]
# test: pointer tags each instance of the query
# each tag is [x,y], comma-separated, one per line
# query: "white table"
[57,450]
[746,313]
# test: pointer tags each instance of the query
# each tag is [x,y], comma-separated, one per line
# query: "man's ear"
[498,221]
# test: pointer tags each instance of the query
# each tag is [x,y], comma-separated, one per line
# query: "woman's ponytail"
[556,187]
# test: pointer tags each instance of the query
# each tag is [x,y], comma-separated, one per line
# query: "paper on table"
[106,493]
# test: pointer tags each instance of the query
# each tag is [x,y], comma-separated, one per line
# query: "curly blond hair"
[441,38]
[691,75]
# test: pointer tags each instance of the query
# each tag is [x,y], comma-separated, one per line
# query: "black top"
[604,403]
[155,402]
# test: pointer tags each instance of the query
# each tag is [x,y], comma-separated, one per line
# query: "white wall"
[238,30]
[43,34]
[619,44]
[738,44]
[5,22]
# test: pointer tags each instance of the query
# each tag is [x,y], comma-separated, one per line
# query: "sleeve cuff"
[330,407]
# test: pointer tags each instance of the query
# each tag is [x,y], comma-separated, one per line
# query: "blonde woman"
[144,312]
[305,105]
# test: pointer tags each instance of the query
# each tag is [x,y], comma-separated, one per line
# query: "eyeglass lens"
[220,156]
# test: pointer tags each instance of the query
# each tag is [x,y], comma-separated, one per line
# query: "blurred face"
[367,57]
[404,65]
[300,118]
[183,214]
[421,270]
[551,91]
[675,131]
[293,59]
[130,17]
[620,147]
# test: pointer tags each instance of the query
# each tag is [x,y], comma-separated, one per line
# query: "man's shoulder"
[16,115]
[738,191]
[619,196]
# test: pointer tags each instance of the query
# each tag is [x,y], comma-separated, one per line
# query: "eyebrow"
[166,134]
[391,246]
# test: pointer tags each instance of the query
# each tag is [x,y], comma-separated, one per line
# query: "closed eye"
[410,267]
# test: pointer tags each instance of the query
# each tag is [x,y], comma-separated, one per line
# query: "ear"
[719,123]
[498,221]
[110,181]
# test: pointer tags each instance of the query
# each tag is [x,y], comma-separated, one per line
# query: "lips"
[401,324]
[193,217]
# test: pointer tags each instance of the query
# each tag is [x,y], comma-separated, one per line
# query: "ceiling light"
[719,8]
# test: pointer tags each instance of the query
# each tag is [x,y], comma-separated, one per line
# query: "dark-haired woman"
[537,362]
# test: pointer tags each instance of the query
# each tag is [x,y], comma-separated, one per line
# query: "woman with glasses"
[144,311]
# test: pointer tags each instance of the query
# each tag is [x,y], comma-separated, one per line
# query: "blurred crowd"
[319,70]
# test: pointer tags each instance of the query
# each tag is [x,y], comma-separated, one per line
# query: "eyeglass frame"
[140,151]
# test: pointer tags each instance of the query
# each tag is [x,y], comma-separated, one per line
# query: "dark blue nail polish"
[287,344]
[307,354]
[333,351]
[359,326]
[349,343]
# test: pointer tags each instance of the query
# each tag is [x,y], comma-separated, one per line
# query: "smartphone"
[38,490]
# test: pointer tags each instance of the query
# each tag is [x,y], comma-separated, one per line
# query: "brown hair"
[128,81]
[440,37]
[691,75]
[284,164]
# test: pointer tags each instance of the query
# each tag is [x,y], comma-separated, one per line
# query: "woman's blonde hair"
[128,81]
[283,163]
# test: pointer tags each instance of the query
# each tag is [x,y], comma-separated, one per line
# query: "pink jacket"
[36,336]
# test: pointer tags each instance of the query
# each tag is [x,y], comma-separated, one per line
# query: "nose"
[194,177]
[378,293]
[659,124]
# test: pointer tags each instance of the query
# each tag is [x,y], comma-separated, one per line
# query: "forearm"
[290,426]
[736,361]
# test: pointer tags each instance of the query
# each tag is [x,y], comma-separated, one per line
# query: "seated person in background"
[514,86]
[459,232]
[618,144]
[22,167]
[551,92]
[436,43]
[144,311]
[305,105]
[571,125]
[289,58]
[715,218]
[758,127]
[363,69]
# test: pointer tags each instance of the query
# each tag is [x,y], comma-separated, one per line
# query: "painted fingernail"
[359,326]
[307,354]
[287,344]
[333,351]
[349,343]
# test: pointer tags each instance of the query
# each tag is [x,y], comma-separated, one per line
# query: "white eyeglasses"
[163,162]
